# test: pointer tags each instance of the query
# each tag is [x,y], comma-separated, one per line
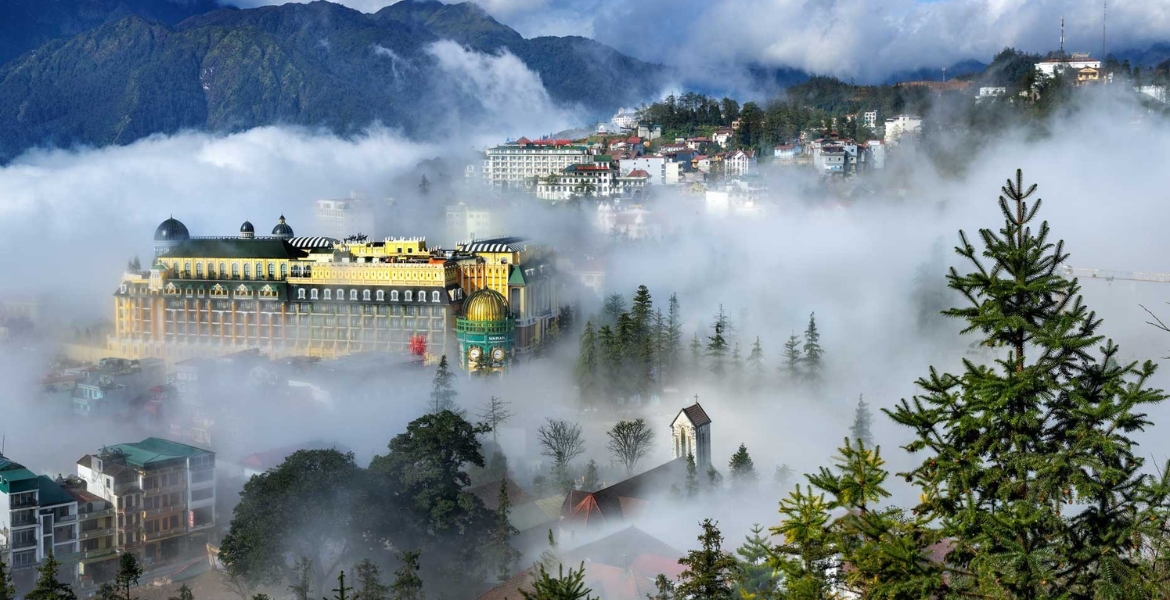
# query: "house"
[37,516]
[649,132]
[701,163]
[786,153]
[165,491]
[653,165]
[111,387]
[869,117]
[722,136]
[623,501]
[697,143]
[740,162]
[901,125]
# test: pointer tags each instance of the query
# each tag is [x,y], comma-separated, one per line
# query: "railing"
[97,514]
[92,554]
[166,490]
[23,545]
[154,512]
[167,533]
[92,533]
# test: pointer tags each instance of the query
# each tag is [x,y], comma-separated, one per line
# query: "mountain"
[27,24]
[959,69]
[319,64]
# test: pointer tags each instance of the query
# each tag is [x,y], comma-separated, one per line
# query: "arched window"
[340,294]
[409,295]
[199,269]
[394,296]
[187,268]
[422,296]
[327,295]
[366,295]
[380,295]
[296,270]
[353,296]
[283,270]
[259,270]
[301,294]
[313,294]
[236,269]
[247,271]
[222,269]
[272,269]
[435,296]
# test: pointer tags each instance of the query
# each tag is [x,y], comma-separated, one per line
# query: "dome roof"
[485,305]
[171,230]
[247,227]
[283,229]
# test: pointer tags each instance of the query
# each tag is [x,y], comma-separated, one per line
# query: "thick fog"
[856,255]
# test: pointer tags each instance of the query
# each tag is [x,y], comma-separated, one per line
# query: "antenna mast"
[1062,36]
[1104,14]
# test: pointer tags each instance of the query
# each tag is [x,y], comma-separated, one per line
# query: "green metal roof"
[53,494]
[230,248]
[16,479]
[156,450]
[517,276]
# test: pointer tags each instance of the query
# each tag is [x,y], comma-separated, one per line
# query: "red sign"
[418,345]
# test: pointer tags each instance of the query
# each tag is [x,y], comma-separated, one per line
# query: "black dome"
[171,230]
[282,229]
[247,227]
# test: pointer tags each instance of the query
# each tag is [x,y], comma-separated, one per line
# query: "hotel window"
[380,295]
[393,295]
[422,296]
[283,270]
[313,295]
[199,269]
[435,296]
[340,294]
[259,270]
[272,269]
[366,295]
[247,271]
[236,269]
[353,295]
[328,295]
[409,295]
[187,268]
[301,294]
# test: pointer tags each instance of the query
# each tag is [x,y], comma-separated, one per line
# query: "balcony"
[177,487]
[165,510]
[94,555]
[95,533]
[158,535]
[97,514]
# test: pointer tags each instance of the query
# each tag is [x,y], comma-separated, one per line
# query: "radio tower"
[1062,36]
[1104,14]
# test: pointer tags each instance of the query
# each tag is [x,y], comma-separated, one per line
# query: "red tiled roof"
[696,414]
[522,141]
[638,173]
[622,500]
[510,589]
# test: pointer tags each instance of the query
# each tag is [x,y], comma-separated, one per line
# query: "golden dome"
[485,305]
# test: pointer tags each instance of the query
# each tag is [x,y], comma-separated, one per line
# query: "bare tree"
[495,412]
[629,441]
[561,441]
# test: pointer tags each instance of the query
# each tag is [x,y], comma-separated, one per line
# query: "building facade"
[209,297]
[337,219]
[521,162]
[37,517]
[163,493]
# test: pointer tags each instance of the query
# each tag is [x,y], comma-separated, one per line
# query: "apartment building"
[97,531]
[37,517]
[522,161]
[163,491]
[341,218]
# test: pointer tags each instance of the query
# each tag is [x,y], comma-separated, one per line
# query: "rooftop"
[235,248]
[154,450]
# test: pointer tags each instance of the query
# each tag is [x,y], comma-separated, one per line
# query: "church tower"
[691,434]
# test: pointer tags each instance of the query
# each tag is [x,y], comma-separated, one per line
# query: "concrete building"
[991,92]
[97,528]
[519,163]
[339,219]
[163,491]
[112,386]
[876,151]
[1157,92]
[464,222]
[37,516]
[869,117]
[740,162]
[1061,63]
[592,180]
[786,153]
[901,125]
[626,119]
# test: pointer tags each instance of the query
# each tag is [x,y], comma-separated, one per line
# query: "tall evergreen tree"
[48,587]
[424,187]
[792,358]
[782,477]
[588,364]
[615,305]
[7,590]
[341,592]
[302,583]
[504,555]
[717,345]
[696,353]
[710,571]
[407,584]
[1009,446]
[127,576]
[592,479]
[368,582]
[805,556]
[611,359]
[672,348]
[658,334]
[443,392]
[565,586]
[692,485]
[736,366]
[741,469]
[813,354]
[862,419]
[754,578]
[755,363]
[663,589]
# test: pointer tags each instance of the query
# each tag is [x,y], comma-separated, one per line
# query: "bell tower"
[691,435]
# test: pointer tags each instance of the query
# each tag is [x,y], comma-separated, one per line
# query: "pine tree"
[717,345]
[736,366]
[592,478]
[548,556]
[565,586]
[505,556]
[1008,446]
[642,342]
[741,469]
[611,359]
[128,574]
[615,305]
[658,334]
[341,592]
[861,422]
[47,586]
[424,187]
[754,578]
[696,354]
[813,354]
[710,572]
[692,488]
[755,361]
[302,585]
[443,392]
[673,346]
[805,556]
[792,358]
[407,584]
[369,582]
[782,478]
[7,590]
[663,589]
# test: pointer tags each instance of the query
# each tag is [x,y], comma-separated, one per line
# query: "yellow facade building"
[318,296]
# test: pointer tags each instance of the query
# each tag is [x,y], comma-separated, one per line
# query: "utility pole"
[1104,15]
[1062,36]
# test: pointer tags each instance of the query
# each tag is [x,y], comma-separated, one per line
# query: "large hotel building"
[484,301]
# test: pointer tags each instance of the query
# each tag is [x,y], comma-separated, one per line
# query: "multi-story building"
[465,222]
[110,387]
[97,534]
[37,517]
[319,297]
[337,219]
[521,162]
[597,180]
[901,125]
[740,162]
[1060,62]
[869,117]
[163,492]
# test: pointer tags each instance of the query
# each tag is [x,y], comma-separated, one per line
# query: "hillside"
[317,64]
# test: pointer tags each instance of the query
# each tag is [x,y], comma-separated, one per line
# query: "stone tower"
[691,434]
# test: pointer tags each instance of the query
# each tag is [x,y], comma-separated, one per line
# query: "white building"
[626,119]
[901,125]
[877,154]
[786,153]
[465,222]
[691,436]
[654,165]
[1075,61]
[519,162]
[869,117]
[739,163]
[339,219]
[1157,92]
[722,135]
[991,92]
[597,180]
[37,516]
